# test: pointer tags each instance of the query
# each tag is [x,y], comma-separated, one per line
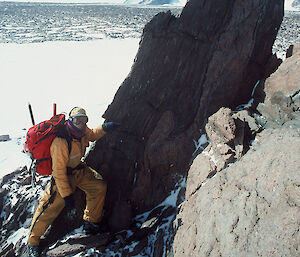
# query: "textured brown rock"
[221,130]
[227,133]
[280,110]
[282,94]
[251,208]
[286,78]
[221,127]
[185,70]
[196,175]
[243,115]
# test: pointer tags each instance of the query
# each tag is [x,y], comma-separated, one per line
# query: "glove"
[110,126]
[69,202]
[72,214]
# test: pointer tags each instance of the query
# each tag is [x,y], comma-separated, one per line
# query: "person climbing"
[69,172]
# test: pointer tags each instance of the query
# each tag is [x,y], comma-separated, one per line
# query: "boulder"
[4,138]
[279,110]
[221,127]
[186,68]
[276,112]
[229,136]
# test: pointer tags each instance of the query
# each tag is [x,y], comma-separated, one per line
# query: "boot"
[91,228]
[32,251]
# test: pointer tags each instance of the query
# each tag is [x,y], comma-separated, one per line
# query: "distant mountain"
[296,3]
[156,2]
[289,5]
[292,5]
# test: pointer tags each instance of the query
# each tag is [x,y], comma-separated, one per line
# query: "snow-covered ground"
[156,2]
[70,1]
[69,74]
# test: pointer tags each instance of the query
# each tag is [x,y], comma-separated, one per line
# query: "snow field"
[85,74]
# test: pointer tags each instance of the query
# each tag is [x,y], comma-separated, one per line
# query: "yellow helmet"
[77,112]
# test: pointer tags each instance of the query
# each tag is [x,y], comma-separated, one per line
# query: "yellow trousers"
[88,181]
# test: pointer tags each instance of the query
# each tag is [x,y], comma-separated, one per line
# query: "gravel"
[289,33]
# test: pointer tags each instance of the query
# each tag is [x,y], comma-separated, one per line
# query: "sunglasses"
[80,120]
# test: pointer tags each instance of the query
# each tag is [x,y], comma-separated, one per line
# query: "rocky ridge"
[242,196]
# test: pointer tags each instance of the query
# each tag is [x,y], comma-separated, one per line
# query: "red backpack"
[39,139]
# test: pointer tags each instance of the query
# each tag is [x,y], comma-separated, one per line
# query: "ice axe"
[31,168]
[31,114]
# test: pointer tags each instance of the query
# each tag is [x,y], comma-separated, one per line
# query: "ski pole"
[31,114]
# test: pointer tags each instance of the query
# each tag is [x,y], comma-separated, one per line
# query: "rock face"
[247,205]
[282,97]
[285,79]
[250,209]
[185,70]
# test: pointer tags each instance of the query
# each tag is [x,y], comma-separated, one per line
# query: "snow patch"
[18,235]
[211,155]
[89,73]
[199,144]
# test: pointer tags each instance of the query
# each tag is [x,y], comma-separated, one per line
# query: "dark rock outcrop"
[185,70]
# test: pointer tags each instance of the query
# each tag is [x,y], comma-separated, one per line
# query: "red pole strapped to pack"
[54,109]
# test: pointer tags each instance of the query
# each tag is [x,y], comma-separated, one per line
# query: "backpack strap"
[69,141]
[64,133]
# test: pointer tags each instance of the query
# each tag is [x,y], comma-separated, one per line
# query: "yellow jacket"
[61,159]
